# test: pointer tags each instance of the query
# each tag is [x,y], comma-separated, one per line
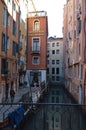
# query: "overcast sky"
[54,9]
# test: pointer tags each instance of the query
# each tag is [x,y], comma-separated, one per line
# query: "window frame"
[57,51]
[57,70]
[57,61]
[36,47]
[34,59]
[53,70]
[14,28]
[53,52]
[36,25]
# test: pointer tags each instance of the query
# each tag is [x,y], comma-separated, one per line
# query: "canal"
[54,116]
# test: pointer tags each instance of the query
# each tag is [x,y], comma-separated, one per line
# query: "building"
[55,59]
[9,32]
[22,41]
[74,48]
[37,33]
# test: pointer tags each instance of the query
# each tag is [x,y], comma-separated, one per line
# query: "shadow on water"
[55,116]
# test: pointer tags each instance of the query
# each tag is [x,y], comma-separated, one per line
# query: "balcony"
[35,50]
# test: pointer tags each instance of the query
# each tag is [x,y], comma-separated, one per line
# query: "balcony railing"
[37,14]
[36,49]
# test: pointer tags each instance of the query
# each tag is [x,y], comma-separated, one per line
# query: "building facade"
[74,48]
[22,41]
[55,59]
[9,29]
[13,37]
[37,33]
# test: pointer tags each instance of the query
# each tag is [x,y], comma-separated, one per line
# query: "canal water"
[55,116]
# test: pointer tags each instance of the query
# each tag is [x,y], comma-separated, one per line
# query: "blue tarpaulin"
[16,116]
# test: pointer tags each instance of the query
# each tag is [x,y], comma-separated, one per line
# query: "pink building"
[74,48]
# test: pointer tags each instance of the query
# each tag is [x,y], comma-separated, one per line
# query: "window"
[47,51]
[57,44]
[14,48]
[14,6]
[53,61]
[36,25]
[35,60]
[57,92]
[47,70]
[57,51]
[4,66]
[57,78]
[57,61]
[53,99]
[4,17]
[53,44]
[57,109]
[79,26]
[48,44]
[53,70]
[47,61]
[53,51]
[8,19]
[4,43]
[57,70]
[14,27]
[36,44]
[57,99]
[57,120]
[17,47]
[53,92]
[53,78]
[52,107]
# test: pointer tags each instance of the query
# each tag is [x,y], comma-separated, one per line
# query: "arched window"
[36,25]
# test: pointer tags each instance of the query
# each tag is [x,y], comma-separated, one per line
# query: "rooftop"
[37,14]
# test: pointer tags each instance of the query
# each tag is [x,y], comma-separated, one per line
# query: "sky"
[54,9]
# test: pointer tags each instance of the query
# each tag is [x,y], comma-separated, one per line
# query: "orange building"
[37,33]
[9,31]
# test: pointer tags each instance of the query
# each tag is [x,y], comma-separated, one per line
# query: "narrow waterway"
[56,117]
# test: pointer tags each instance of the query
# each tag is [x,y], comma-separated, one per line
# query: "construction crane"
[33,5]
[31,2]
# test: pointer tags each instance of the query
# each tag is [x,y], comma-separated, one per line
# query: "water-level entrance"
[53,115]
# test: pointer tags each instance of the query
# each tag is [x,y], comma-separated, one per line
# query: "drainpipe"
[84,50]
[85,34]
[6,71]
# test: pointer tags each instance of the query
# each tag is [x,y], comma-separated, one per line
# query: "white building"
[55,59]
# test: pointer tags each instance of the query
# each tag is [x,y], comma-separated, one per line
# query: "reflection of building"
[53,112]
[54,59]
[75,48]
[37,41]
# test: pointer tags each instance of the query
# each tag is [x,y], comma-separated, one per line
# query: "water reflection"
[56,117]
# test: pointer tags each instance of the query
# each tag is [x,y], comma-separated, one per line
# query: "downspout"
[84,50]
[85,34]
